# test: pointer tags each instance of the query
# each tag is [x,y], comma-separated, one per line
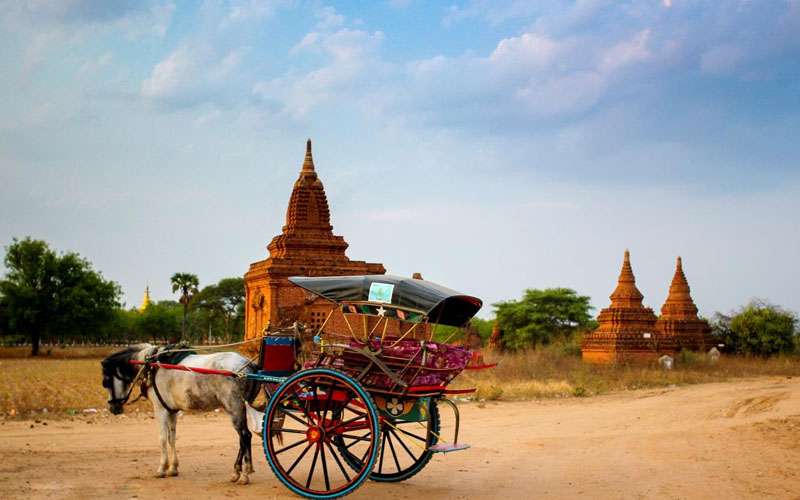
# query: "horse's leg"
[173,464]
[237,467]
[240,424]
[162,416]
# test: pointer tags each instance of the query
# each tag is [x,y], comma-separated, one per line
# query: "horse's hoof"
[172,472]
[160,473]
[234,477]
[243,480]
[250,470]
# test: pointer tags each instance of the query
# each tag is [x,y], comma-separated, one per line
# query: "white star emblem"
[381,311]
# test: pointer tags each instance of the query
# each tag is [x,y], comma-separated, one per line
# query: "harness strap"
[153,371]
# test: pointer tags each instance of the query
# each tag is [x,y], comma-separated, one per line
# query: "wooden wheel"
[402,448]
[321,409]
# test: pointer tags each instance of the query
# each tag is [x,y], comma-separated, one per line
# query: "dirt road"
[734,440]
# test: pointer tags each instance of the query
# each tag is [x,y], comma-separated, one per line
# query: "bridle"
[131,384]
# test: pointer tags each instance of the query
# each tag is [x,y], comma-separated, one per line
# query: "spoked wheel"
[320,407]
[402,448]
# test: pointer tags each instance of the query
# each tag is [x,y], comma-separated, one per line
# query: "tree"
[542,316]
[47,295]
[759,328]
[225,300]
[160,320]
[187,284]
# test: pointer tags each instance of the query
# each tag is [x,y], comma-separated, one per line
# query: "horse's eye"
[106,383]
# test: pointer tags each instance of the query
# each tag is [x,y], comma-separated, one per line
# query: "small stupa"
[146,300]
[627,329]
[679,316]
[496,337]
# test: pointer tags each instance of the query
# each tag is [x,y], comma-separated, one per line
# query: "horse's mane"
[121,360]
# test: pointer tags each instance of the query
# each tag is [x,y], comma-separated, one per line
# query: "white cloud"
[354,66]
[192,75]
[91,67]
[328,18]
[627,52]
[254,10]
[162,18]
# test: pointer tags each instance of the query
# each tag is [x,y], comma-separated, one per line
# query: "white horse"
[173,390]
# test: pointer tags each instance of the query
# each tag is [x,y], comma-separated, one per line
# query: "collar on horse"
[171,354]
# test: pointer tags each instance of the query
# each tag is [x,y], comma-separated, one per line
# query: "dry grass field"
[68,382]
[548,373]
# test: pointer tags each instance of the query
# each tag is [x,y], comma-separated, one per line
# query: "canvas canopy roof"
[440,304]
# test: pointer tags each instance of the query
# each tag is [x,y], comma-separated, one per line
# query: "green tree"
[224,300]
[542,316]
[160,321]
[759,328]
[47,295]
[187,284]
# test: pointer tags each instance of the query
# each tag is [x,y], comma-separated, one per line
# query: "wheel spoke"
[338,462]
[298,459]
[290,431]
[324,466]
[350,421]
[332,390]
[399,440]
[291,446]
[394,455]
[424,440]
[314,391]
[292,415]
[357,438]
[356,441]
[313,466]
[302,405]
[383,449]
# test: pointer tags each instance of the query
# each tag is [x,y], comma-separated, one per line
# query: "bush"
[760,329]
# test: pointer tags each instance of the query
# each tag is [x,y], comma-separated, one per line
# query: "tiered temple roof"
[305,247]
[627,329]
[679,316]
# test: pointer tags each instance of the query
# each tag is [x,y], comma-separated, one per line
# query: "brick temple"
[305,247]
[627,330]
[679,316]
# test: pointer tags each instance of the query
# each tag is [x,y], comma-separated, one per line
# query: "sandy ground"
[734,440]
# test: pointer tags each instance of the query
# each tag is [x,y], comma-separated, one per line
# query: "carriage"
[366,402]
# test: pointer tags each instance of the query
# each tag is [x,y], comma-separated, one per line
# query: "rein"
[124,400]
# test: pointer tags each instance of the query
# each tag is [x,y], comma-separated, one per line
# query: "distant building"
[146,300]
[679,316]
[305,247]
[627,330]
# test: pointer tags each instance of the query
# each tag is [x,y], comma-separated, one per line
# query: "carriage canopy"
[394,295]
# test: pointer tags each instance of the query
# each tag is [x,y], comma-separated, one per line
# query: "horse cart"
[367,400]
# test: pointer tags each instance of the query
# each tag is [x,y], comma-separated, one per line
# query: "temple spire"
[626,294]
[308,164]
[146,300]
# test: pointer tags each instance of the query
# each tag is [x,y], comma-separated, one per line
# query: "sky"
[492,146]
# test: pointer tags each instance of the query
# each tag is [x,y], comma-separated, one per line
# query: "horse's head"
[118,375]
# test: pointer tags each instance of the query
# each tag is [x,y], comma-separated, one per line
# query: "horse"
[171,390]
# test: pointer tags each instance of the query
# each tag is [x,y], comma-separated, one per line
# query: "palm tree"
[187,283]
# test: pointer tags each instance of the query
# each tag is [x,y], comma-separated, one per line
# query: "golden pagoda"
[679,316]
[146,300]
[627,329]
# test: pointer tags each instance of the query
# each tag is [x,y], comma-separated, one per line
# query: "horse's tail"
[255,386]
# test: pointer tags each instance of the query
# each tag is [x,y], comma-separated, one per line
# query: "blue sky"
[491,145]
